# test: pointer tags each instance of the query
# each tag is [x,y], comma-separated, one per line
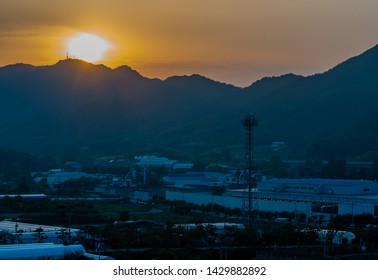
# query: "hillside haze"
[74,108]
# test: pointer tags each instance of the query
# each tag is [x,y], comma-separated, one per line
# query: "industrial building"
[196,180]
[307,196]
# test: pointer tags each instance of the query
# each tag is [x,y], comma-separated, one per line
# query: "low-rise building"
[198,180]
[153,161]
[308,196]
[59,177]
[47,251]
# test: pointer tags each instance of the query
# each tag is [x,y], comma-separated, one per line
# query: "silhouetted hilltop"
[268,84]
[75,108]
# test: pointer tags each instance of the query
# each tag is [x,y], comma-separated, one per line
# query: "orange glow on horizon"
[235,42]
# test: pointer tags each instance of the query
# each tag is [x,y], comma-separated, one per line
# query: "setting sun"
[87,47]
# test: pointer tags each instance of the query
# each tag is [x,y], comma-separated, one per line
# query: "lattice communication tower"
[249,123]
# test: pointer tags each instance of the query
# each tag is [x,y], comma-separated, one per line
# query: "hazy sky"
[236,41]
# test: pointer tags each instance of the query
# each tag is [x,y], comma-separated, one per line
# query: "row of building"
[301,195]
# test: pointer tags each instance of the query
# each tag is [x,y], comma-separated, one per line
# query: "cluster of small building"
[111,183]
[308,196]
[24,241]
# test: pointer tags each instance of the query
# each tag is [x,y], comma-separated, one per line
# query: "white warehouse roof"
[37,251]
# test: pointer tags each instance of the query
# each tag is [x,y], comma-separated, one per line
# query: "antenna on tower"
[249,122]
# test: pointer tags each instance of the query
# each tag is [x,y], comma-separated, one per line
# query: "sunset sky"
[236,41]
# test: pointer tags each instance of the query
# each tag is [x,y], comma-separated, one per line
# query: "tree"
[277,167]
[64,236]
[335,169]
[6,237]
[124,216]
[23,187]
[39,236]
[353,174]
[374,170]
[199,165]
[218,190]
[75,256]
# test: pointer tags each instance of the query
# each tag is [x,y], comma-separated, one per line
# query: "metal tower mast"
[249,122]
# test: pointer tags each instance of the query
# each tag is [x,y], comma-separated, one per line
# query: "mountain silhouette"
[75,108]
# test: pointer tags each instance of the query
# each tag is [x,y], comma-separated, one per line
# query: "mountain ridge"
[78,106]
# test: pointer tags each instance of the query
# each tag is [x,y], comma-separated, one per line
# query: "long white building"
[38,251]
[297,195]
[45,251]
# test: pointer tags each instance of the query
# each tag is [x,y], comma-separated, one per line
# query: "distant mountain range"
[74,109]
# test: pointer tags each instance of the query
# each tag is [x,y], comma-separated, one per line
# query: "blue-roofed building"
[153,161]
[197,180]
